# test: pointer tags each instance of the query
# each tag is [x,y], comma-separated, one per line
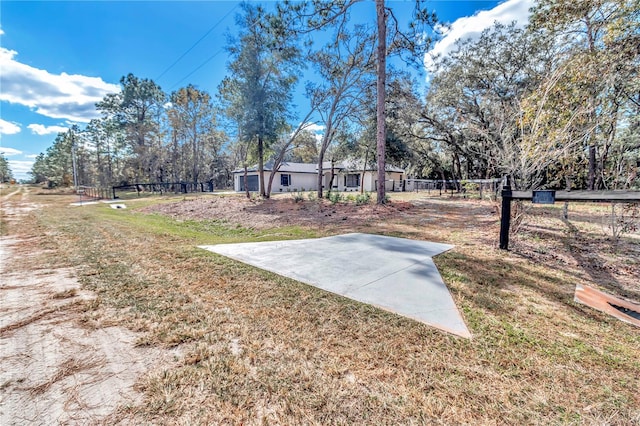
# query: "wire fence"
[140,189]
[93,192]
[482,188]
[471,188]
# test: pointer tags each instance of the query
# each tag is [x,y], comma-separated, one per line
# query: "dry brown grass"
[43,313]
[65,294]
[68,368]
[255,348]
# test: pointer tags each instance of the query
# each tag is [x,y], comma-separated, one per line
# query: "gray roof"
[299,168]
[348,165]
[356,165]
[284,167]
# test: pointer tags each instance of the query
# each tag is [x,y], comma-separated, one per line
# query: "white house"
[293,177]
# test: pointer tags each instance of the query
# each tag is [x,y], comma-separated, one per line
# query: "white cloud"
[470,27]
[68,96]
[1,32]
[40,129]
[9,151]
[31,156]
[8,128]
[315,128]
[20,169]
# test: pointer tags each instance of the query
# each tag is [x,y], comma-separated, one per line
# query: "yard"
[219,342]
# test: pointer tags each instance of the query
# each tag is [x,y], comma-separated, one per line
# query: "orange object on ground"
[622,309]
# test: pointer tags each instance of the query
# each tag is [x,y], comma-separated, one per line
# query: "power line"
[196,43]
[197,68]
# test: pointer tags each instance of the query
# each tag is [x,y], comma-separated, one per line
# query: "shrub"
[469,187]
[335,197]
[362,199]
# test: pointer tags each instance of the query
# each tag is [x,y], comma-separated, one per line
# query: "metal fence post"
[505,218]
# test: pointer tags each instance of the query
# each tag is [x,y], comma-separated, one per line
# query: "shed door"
[252,180]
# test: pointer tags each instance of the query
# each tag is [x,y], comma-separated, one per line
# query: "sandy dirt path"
[54,369]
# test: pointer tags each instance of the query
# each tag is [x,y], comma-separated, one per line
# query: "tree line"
[554,105]
[6,174]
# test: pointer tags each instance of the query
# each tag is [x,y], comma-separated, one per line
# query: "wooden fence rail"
[549,197]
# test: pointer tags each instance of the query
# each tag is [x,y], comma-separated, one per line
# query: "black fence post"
[505,218]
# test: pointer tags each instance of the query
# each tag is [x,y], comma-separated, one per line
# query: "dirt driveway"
[55,369]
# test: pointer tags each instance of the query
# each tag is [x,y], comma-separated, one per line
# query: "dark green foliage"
[5,170]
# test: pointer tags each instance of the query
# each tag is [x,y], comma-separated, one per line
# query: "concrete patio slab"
[395,274]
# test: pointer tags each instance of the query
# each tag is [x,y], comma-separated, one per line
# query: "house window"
[285,180]
[352,180]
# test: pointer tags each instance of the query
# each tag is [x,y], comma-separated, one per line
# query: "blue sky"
[57,58]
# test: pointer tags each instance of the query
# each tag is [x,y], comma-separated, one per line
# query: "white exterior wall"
[308,181]
[342,187]
[370,181]
[299,181]
[392,181]
[370,178]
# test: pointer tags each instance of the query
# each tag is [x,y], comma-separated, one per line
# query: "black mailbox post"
[505,216]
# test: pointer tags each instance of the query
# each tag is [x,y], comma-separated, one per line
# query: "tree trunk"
[276,167]
[270,184]
[604,155]
[380,89]
[195,160]
[261,166]
[328,134]
[320,173]
[246,181]
[456,171]
[99,161]
[109,164]
[174,157]
[591,177]
[333,173]
[593,115]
